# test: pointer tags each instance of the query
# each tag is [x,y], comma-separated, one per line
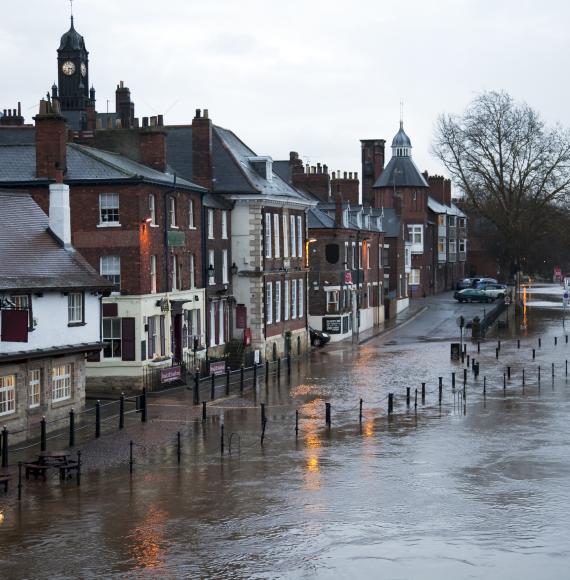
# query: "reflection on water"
[147,538]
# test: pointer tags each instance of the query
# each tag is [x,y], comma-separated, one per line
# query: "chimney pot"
[205,113]
[153,121]
[198,113]
[344,175]
[325,169]
[145,121]
[160,120]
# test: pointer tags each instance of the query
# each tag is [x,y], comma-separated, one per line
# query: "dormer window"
[263,165]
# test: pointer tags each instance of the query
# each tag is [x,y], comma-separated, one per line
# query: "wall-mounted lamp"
[234,269]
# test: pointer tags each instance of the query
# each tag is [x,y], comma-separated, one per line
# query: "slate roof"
[32,258]
[401,172]
[84,164]
[17,135]
[318,219]
[437,207]
[72,40]
[233,172]
[401,139]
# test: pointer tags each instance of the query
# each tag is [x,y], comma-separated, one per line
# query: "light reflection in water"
[147,538]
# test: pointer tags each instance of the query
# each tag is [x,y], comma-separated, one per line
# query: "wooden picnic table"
[52,458]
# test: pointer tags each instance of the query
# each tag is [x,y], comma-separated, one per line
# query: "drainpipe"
[204,272]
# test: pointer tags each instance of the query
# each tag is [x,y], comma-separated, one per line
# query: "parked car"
[482,282]
[495,290]
[472,295]
[474,282]
[318,338]
[465,283]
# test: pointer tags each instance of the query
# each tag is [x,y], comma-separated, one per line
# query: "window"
[276,242]
[7,394]
[441,245]
[109,209]
[331,253]
[332,301]
[360,255]
[366,248]
[152,335]
[414,277]
[285,221]
[300,298]
[353,257]
[277,301]
[212,323]
[112,337]
[111,269]
[153,274]
[172,211]
[175,277]
[300,236]
[35,388]
[407,257]
[441,219]
[293,299]
[61,383]
[379,255]
[224,225]
[221,322]
[452,246]
[368,296]
[417,238]
[225,274]
[461,222]
[152,208]
[287,301]
[462,245]
[24,302]
[192,270]
[269,303]
[451,221]
[75,308]
[191,222]
[210,224]
[211,268]
[293,238]
[268,252]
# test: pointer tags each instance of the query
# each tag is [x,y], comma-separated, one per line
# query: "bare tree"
[511,168]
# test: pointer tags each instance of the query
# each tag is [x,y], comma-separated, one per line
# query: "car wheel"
[501,296]
[316,342]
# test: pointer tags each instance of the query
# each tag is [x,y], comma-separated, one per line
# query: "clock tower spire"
[73,78]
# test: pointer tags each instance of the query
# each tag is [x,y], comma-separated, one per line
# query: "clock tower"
[73,79]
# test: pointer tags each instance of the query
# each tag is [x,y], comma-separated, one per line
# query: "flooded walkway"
[474,488]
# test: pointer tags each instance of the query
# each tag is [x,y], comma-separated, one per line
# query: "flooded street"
[474,488]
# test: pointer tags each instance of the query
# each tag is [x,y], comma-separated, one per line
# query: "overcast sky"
[313,76]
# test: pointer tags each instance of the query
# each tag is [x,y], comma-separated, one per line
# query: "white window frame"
[174,273]
[109,210]
[224,225]
[287,302]
[75,308]
[277,301]
[61,383]
[210,224]
[417,238]
[352,256]
[276,240]
[153,274]
[212,324]
[332,300]
[191,215]
[192,267]
[300,298]
[7,394]
[293,299]
[268,236]
[172,212]
[221,322]
[225,271]
[293,237]
[269,303]
[211,262]
[300,236]
[112,337]
[360,255]
[285,221]
[462,245]
[35,386]
[415,277]
[152,208]
[346,256]
[110,268]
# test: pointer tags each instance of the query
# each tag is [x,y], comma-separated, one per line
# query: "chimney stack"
[59,213]
[202,170]
[51,141]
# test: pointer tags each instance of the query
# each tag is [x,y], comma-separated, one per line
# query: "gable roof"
[32,258]
[401,172]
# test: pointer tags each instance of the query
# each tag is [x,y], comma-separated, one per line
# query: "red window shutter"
[128,339]
[14,326]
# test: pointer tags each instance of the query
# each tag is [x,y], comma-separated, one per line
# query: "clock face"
[68,68]
[83,69]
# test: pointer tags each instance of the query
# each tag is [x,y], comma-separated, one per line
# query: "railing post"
[390,403]
[228,373]
[360,412]
[122,411]
[197,387]
[262,414]
[144,406]
[43,437]
[407,396]
[296,423]
[204,414]
[71,427]
[279,367]
[453,380]
[213,387]
[98,419]
[328,414]
[423,393]
[5,446]
[222,439]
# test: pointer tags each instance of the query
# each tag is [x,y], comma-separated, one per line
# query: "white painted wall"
[50,312]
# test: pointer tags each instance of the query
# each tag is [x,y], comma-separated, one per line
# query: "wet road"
[476,488]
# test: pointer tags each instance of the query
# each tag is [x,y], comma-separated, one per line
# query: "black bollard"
[440,394]
[463,357]
[144,406]
[263,418]
[263,424]
[539,374]
[122,411]
[43,445]
[328,414]
[504,382]
[178,448]
[296,423]
[78,468]
[566,367]
[523,377]
[407,396]
[478,347]
[464,376]
[552,369]
[204,415]
[390,403]
[509,373]
[360,412]
[241,379]
[540,343]
[467,360]
[254,375]
[484,385]
[423,393]
[496,353]
[518,343]
[196,387]
[416,399]
[5,446]
[98,419]
[499,344]
[19,480]
[533,354]
[476,370]
[453,380]
[472,363]
[279,367]
[71,428]
[440,382]
[222,439]
[228,382]
[130,456]
[212,387]
[289,365]
[555,340]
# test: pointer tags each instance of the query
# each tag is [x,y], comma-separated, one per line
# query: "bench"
[65,469]
[36,469]
[4,479]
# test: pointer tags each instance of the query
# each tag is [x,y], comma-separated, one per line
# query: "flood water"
[476,488]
